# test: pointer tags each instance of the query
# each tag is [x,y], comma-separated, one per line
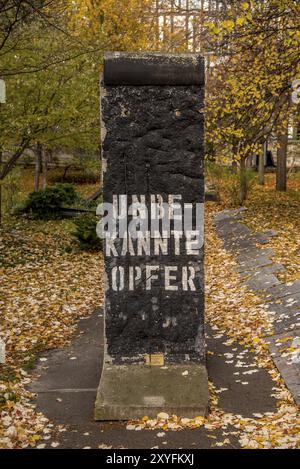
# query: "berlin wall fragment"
[152,112]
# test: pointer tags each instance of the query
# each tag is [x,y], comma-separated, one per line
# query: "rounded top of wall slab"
[140,69]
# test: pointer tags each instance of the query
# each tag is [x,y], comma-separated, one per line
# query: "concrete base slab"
[129,392]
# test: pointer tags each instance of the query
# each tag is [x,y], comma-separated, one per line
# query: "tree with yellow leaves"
[256,51]
[114,24]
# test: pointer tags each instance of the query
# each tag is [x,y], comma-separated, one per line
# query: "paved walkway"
[66,389]
[258,272]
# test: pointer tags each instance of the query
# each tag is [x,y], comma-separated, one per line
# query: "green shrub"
[67,191]
[227,181]
[234,185]
[11,193]
[45,204]
[85,232]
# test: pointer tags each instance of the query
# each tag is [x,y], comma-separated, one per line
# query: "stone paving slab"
[247,250]
[283,290]
[259,261]
[268,269]
[287,323]
[261,238]
[285,319]
[244,243]
[225,214]
[238,246]
[236,230]
[262,281]
[256,252]
[271,233]
[291,301]
[280,309]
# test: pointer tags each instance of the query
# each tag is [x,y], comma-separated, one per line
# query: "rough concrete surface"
[146,390]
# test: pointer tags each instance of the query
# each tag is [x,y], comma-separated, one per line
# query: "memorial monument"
[152,112]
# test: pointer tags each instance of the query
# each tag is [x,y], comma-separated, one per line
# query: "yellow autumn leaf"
[241,21]
[228,25]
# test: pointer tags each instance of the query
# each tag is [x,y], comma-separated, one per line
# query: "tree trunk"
[65,171]
[0,188]
[281,173]
[45,168]
[234,165]
[8,166]
[38,167]
[243,181]
[261,165]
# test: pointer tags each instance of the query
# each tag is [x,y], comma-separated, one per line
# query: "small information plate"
[156,359]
